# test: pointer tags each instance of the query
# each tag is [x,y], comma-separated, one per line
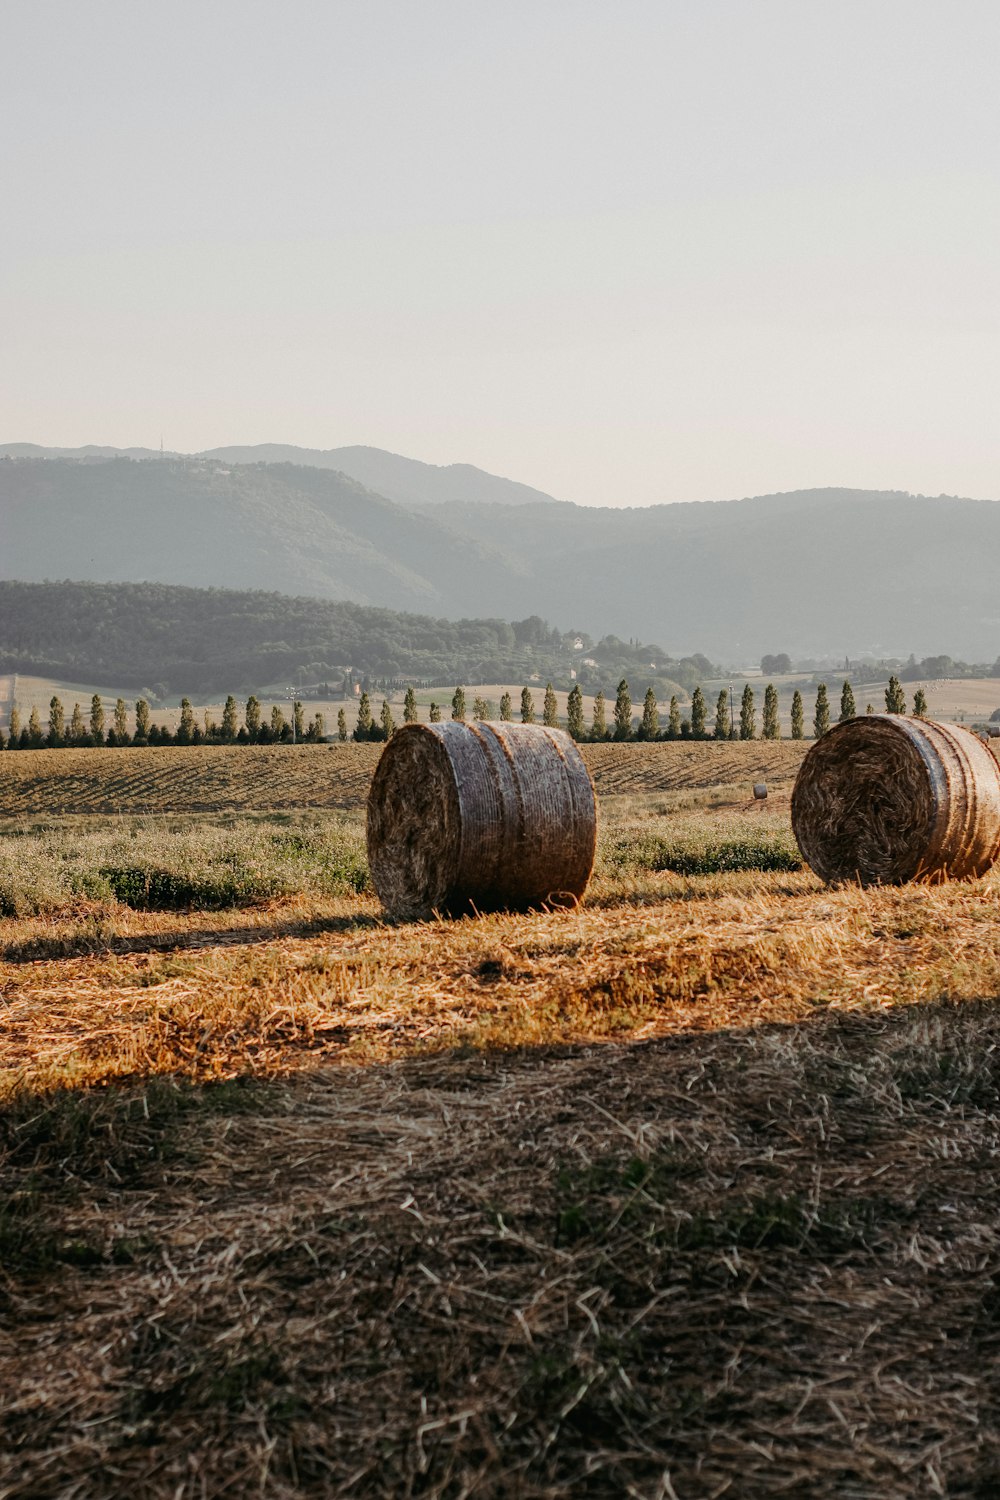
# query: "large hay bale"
[885,799]
[483,817]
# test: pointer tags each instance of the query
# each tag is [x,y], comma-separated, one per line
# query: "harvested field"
[212,778]
[692,1191]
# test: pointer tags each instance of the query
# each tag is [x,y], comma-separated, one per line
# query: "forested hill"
[168,640]
[853,572]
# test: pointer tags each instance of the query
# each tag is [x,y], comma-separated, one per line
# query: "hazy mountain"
[405,480]
[809,572]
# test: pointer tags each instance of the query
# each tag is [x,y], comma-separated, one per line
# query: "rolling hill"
[810,572]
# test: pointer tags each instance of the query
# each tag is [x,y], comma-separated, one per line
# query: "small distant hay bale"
[885,799]
[480,817]
[760,791]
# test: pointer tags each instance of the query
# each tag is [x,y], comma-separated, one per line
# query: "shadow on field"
[81,942]
[743,1262]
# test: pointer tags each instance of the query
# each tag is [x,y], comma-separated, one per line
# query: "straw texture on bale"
[885,799]
[484,817]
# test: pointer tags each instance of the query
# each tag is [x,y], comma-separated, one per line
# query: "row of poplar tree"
[100,729]
[258,730]
[623,726]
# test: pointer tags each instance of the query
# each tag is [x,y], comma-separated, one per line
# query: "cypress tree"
[527,707]
[341,725]
[722,716]
[317,729]
[410,707]
[506,709]
[252,717]
[549,706]
[77,728]
[14,728]
[482,709]
[649,729]
[821,718]
[599,723]
[121,722]
[230,721]
[186,727]
[674,720]
[363,728]
[388,722]
[96,720]
[574,712]
[772,724]
[57,722]
[623,712]
[748,715]
[699,713]
[435,713]
[278,724]
[34,729]
[298,721]
[920,704]
[895,698]
[458,705]
[798,717]
[848,707]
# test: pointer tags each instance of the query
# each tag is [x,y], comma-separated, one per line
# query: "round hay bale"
[884,799]
[480,817]
[760,791]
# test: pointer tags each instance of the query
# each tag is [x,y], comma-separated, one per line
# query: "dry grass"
[689,1192]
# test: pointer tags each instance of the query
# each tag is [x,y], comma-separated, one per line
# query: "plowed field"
[272,777]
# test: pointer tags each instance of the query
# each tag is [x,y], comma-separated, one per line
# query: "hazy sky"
[625,251]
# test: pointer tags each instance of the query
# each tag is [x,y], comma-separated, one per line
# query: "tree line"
[256,729]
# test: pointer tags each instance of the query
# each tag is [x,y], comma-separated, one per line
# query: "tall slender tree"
[482,709]
[14,727]
[458,705]
[895,698]
[388,722]
[57,722]
[34,731]
[748,715]
[699,714]
[920,704]
[410,707]
[848,707]
[574,712]
[96,720]
[363,728]
[527,707]
[798,717]
[722,715]
[506,709]
[298,721]
[185,729]
[77,728]
[821,718]
[121,722]
[674,718]
[623,712]
[317,729]
[341,725]
[435,713]
[599,722]
[649,728]
[230,720]
[772,724]
[252,716]
[549,706]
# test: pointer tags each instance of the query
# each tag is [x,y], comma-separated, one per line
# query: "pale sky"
[628,252]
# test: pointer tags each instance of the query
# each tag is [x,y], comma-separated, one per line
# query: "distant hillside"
[182,640]
[405,480]
[809,573]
